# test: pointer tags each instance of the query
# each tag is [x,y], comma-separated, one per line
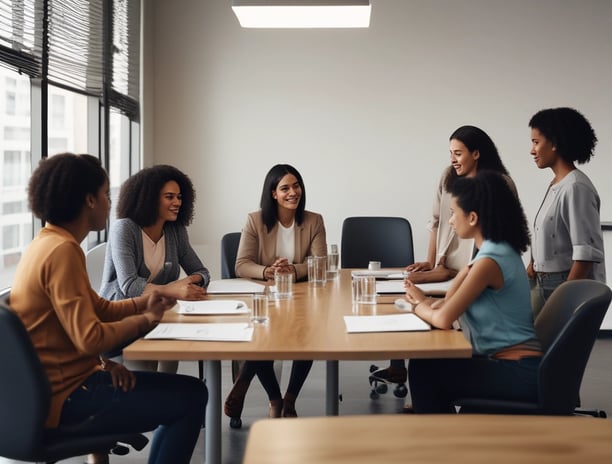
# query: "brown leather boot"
[289,405]
[276,407]
[235,402]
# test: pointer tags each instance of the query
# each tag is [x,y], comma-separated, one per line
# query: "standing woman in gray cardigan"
[148,244]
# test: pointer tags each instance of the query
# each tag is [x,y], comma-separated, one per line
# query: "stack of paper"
[235,286]
[381,273]
[386,323]
[230,332]
[397,286]
[212,307]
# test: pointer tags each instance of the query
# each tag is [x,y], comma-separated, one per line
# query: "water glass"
[333,259]
[283,281]
[317,270]
[259,311]
[364,290]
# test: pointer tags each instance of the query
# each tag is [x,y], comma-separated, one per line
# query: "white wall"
[365,115]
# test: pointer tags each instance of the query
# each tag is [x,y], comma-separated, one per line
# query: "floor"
[596,393]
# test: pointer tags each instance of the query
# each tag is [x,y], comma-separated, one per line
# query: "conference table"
[309,325]
[430,439]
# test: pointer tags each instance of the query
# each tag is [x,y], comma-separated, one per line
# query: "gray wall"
[365,115]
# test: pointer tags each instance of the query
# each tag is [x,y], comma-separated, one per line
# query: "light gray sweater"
[125,273]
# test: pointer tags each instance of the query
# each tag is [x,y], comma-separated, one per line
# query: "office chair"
[229,249]
[94,260]
[567,327]
[25,399]
[376,238]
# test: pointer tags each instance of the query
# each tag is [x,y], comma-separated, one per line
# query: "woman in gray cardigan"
[149,244]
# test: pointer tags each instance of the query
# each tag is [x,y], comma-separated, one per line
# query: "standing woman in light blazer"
[278,237]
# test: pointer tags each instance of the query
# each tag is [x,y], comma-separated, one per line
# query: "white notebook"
[397,286]
[386,323]
[209,307]
[222,332]
[238,286]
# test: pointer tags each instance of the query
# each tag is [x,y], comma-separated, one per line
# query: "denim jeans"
[436,383]
[542,287]
[172,405]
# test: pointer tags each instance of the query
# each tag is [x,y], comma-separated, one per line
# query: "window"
[52,99]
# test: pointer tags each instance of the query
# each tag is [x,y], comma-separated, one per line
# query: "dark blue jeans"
[172,405]
[436,383]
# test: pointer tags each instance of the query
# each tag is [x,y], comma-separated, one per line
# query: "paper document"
[235,286]
[381,273]
[212,307]
[386,323]
[230,332]
[397,286]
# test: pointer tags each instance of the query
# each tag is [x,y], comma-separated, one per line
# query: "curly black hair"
[59,186]
[500,213]
[269,206]
[139,195]
[569,132]
[475,138]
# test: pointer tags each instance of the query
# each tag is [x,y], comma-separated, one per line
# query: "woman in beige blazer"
[277,238]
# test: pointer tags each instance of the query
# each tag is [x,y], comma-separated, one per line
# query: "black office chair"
[376,238]
[25,396]
[567,327]
[229,250]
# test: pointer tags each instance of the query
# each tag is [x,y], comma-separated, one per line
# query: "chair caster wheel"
[235,422]
[400,391]
[602,414]
[373,368]
[382,388]
[374,395]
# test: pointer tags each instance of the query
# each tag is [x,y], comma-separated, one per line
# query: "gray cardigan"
[125,273]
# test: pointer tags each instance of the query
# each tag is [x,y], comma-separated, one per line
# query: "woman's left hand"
[121,376]
[414,295]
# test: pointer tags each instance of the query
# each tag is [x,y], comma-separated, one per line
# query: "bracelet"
[264,273]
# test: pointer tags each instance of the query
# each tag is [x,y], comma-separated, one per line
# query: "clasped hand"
[280,265]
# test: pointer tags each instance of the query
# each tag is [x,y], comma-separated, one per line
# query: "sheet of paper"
[385,323]
[212,307]
[235,286]
[224,332]
[380,273]
[397,286]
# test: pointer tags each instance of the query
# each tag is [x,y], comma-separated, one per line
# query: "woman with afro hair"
[567,239]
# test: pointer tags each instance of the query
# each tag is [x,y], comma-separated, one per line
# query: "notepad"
[222,332]
[209,307]
[239,286]
[397,286]
[385,323]
[381,273]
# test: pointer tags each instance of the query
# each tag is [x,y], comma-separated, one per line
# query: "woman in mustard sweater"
[70,324]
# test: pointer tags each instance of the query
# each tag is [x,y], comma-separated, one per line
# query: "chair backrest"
[568,326]
[95,265]
[229,250]
[376,238]
[24,390]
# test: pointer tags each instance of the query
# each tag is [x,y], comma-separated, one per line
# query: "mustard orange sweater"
[70,325]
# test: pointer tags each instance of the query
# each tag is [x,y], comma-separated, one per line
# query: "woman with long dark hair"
[277,238]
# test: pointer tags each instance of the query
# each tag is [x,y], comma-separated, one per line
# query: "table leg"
[212,452]
[331,388]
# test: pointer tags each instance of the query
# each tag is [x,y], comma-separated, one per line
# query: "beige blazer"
[257,247]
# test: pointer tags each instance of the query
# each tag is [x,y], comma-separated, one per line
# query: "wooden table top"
[310,325]
[425,439]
